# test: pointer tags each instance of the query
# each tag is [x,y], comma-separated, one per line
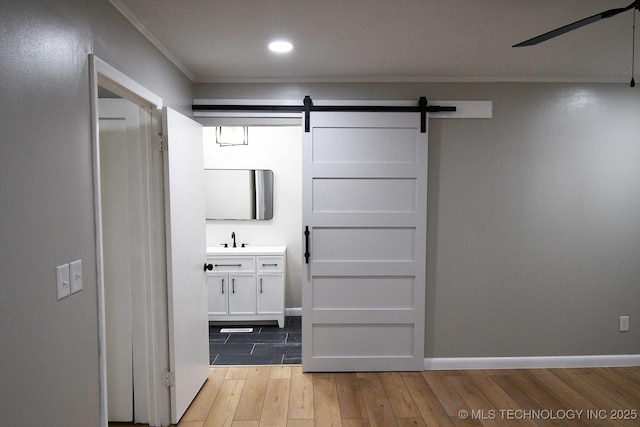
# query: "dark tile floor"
[266,345]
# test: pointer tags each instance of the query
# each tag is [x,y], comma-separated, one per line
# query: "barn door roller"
[423,108]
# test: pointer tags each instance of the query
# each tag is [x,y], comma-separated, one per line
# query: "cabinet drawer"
[245,264]
[270,263]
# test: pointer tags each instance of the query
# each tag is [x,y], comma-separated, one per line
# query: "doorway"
[126,203]
[276,147]
[142,333]
[152,196]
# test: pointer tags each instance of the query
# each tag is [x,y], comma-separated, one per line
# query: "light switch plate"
[624,324]
[62,281]
[75,271]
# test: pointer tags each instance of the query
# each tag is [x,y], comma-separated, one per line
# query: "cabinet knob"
[208,267]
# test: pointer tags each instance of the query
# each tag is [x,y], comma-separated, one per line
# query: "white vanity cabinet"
[231,294]
[246,284]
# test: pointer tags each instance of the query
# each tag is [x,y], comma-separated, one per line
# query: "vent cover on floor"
[235,330]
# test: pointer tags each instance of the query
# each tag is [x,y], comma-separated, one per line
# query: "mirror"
[239,193]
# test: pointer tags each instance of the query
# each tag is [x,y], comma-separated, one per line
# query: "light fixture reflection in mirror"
[239,194]
[232,135]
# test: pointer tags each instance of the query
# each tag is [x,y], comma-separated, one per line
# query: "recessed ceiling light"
[280,46]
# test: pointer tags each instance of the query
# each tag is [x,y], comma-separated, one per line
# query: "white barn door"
[365,205]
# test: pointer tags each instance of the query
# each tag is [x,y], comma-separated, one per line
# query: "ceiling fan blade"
[581,23]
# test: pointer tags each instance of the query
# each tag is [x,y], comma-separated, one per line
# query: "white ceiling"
[387,40]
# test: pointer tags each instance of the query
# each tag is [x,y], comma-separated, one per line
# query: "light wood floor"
[284,396]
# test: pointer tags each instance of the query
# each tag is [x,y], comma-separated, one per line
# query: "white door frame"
[104,75]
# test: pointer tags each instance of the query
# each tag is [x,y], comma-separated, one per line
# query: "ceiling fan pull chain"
[633,51]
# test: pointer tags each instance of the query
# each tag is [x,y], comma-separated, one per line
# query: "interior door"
[186,256]
[364,203]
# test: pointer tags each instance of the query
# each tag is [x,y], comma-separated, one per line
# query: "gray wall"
[533,216]
[49,355]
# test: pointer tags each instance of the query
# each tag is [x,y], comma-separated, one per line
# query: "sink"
[249,250]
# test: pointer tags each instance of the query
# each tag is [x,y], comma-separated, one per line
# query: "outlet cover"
[75,271]
[62,281]
[624,323]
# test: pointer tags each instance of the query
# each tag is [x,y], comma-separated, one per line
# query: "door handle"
[306,244]
[208,267]
[223,286]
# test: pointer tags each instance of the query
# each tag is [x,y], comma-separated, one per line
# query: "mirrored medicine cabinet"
[239,194]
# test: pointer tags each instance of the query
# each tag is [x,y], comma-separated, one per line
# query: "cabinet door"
[242,294]
[218,288]
[270,294]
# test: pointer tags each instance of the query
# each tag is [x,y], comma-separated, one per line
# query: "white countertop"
[249,250]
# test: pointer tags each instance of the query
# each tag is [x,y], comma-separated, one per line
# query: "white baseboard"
[614,360]
[295,311]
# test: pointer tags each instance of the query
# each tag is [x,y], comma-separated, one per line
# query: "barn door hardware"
[308,106]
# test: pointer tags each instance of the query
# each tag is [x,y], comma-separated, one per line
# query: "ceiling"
[384,40]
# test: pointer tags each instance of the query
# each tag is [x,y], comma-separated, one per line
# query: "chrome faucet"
[233,236]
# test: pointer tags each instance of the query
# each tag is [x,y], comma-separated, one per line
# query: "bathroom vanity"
[246,284]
